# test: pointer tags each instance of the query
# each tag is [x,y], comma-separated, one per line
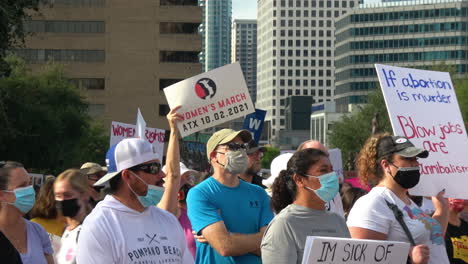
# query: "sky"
[244,9]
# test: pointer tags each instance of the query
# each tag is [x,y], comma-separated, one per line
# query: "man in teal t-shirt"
[231,214]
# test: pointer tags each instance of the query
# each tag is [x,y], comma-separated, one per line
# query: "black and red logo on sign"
[205,88]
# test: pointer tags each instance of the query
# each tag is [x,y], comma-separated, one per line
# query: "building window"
[41,55]
[77,3]
[179,56]
[178,28]
[163,83]
[179,2]
[89,83]
[164,109]
[46,26]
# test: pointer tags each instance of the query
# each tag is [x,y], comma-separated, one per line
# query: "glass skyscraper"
[216,33]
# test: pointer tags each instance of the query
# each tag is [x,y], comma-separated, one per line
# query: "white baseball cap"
[127,153]
[277,165]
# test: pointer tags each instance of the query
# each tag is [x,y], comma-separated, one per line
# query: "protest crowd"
[135,210]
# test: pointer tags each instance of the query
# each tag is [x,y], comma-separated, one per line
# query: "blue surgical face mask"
[153,195]
[329,186]
[25,198]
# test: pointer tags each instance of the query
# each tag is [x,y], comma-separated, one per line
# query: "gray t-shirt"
[285,237]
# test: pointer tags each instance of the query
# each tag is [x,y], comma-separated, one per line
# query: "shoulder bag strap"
[399,217]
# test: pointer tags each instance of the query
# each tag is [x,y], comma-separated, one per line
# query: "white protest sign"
[210,99]
[140,125]
[336,205]
[353,251]
[422,106]
[155,136]
[337,162]
[36,178]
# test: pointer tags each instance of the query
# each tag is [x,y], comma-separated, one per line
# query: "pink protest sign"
[423,106]
[155,136]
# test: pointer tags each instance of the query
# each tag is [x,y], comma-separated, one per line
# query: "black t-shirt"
[456,241]
[8,253]
[257,180]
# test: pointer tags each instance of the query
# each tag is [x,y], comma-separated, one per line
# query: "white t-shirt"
[114,233]
[372,212]
[427,206]
[336,206]
[67,251]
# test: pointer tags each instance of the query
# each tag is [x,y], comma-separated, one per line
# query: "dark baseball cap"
[253,147]
[399,145]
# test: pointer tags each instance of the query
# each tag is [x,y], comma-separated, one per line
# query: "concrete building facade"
[295,54]
[418,34]
[244,50]
[216,33]
[120,54]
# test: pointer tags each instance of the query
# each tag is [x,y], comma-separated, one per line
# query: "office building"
[216,33]
[244,51]
[120,54]
[295,54]
[416,34]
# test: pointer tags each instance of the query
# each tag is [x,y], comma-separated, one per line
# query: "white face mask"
[236,161]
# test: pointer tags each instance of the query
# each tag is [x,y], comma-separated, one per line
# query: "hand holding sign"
[173,118]
[419,254]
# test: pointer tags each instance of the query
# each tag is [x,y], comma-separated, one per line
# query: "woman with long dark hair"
[298,197]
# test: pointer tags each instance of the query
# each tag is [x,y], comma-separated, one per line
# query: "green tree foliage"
[12,15]
[45,123]
[461,89]
[350,133]
[268,156]
[460,82]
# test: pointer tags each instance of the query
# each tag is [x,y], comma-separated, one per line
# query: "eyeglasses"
[151,168]
[236,146]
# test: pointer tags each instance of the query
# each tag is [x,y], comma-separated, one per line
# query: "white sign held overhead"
[155,136]
[210,99]
[422,106]
[140,125]
[319,250]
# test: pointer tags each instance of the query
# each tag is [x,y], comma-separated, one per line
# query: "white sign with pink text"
[423,106]
[210,98]
[155,136]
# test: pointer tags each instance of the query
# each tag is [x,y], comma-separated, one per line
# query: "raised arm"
[441,212]
[169,200]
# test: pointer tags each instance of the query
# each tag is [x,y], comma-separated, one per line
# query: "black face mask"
[69,208]
[407,177]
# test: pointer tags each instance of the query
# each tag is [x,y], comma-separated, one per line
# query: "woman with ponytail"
[298,197]
[71,191]
[390,163]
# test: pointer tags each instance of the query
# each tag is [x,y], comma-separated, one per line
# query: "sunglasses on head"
[151,168]
[236,146]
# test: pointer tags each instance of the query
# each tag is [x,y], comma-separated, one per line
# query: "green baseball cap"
[224,136]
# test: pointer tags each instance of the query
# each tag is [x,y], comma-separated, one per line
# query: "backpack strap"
[399,217]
